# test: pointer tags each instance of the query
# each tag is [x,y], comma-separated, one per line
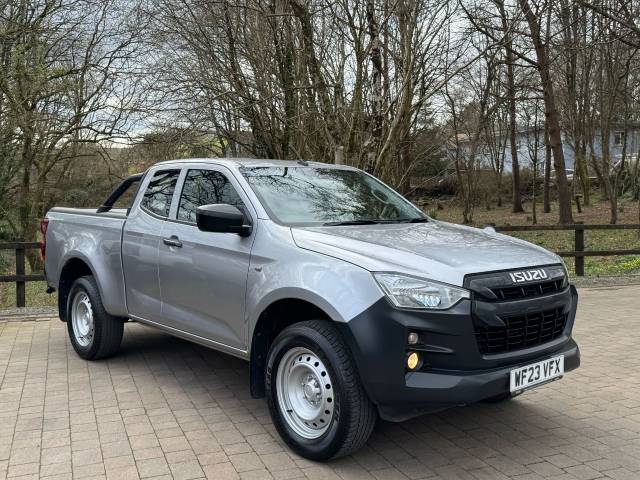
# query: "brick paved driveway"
[166,408]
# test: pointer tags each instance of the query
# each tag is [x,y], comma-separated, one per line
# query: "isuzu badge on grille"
[528,275]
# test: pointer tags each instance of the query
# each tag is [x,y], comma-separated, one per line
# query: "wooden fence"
[20,278]
[578,252]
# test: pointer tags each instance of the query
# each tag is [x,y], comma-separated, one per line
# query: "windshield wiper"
[377,222]
[413,220]
[353,222]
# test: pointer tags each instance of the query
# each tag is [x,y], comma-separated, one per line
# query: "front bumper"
[454,371]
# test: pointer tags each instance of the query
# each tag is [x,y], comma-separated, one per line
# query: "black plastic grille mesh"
[521,331]
[525,291]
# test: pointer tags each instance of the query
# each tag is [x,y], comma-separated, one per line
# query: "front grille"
[521,331]
[525,291]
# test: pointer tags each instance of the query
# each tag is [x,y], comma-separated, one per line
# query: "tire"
[94,333]
[314,393]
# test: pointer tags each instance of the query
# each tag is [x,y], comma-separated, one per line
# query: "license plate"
[536,373]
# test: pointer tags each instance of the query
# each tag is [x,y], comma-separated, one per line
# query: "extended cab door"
[141,239]
[203,275]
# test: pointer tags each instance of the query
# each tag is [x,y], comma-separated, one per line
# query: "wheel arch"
[74,267]
[277,316]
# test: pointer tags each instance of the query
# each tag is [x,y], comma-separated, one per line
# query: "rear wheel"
[94,333]
[315,396]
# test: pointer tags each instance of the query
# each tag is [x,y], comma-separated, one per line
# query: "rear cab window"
[157,197]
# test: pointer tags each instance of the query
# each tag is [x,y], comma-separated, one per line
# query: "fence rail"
[20,278]
[578,253]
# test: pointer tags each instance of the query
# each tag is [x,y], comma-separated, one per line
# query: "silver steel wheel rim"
[305,393]
[82,319]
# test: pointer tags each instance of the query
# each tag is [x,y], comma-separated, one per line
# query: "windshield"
[329,196]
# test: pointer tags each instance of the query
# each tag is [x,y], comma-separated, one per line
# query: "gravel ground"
[28,312]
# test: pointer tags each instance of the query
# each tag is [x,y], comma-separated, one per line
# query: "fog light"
[413,360]
[413,338]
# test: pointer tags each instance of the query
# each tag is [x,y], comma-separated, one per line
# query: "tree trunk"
[582,172]
[26,215]
[565,214]
[609,182]
[546,200]
[461,185]
[636,176]
[376,80]
[533,200]
[517,197]
[577,102]
[314,69]
[551,114]
[511,95]
[285,54]
[24,194]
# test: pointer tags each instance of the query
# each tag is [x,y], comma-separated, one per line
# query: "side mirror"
[222,218]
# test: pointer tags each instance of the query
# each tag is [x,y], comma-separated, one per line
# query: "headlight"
[411,292]
[565,270]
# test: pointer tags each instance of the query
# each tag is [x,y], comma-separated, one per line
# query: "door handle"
[172,241]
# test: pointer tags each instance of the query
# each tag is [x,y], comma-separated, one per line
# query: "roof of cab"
[253,162]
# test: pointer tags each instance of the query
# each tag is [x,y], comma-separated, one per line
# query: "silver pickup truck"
[349,303]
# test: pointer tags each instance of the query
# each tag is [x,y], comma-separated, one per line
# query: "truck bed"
[113,213]
[83,233]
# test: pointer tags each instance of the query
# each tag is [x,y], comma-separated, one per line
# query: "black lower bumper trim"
[453,372]
[430,392]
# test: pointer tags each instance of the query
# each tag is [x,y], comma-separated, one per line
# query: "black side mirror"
[222,218]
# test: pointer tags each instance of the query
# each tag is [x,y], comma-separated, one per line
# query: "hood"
[437,250]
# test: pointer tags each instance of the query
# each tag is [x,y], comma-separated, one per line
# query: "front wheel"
[314,393]
[93,332]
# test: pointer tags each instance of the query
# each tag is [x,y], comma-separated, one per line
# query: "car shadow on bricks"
[196,366]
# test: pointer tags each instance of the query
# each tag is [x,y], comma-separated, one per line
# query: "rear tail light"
[44,224]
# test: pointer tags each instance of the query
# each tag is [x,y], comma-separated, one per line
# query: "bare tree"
[543,65]
[546,201]
[469,128]
[355,81]
[375,52]
[511,101]
[293,79]
[496,140]
[68,79]
[621,12]
[576,99]
[532,114]
[534,39]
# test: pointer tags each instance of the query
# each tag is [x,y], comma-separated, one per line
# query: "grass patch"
[35,295]
[594,240]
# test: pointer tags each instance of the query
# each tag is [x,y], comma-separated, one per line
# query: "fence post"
[20,271]
[579,247]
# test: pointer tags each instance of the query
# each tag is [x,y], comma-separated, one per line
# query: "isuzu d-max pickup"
[349,303]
